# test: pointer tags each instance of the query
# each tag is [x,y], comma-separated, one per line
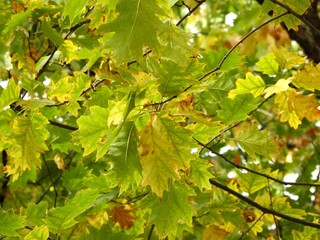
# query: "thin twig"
[225,56]
[255,172]
[177,25]
[262,208]
[235,124]
[190,12]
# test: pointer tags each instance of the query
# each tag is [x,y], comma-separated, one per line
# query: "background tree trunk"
[305,37]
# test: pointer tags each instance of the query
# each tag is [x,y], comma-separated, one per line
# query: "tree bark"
[308,40]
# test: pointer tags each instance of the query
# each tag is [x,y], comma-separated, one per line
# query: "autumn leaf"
[123,215]
[213,232]
[158,159]
[308,77]
[294,106]
[251,84]
[280,86]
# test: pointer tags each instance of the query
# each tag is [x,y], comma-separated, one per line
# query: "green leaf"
[251,84]
[136,26]
[250,183]
[39,233]
[10,94]
[73,8]
[61,218]
[199,173]
[172,77]
[52,33]
[36,213]
[180,211]
[125,156]
[234,60]
[268,64]
[92,129]
[237,109]
[255,142]
[16,20]
[28,141]
[9,223]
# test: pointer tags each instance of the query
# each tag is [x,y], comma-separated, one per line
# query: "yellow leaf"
[59,161]
[98,219]
[281,86]
[159,159]
[251,84]
[213,232]
[294,106]
[308,77]
[286,59]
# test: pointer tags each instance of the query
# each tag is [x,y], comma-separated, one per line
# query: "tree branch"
[297,15]
[63,125]
[190,12]
[177,24]
[5,180]
[225,56]
[255,172]
[262,208]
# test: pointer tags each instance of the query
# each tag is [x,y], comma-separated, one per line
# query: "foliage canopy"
[138,119]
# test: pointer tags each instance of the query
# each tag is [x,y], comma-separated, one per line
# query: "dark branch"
[63,125]
[255,172]
[190,12]
[5,180]
[264,209]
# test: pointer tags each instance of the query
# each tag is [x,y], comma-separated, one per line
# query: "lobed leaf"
[61,218]
[251,84]
[237,109]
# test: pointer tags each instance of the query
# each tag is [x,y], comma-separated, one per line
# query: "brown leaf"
[123,215]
